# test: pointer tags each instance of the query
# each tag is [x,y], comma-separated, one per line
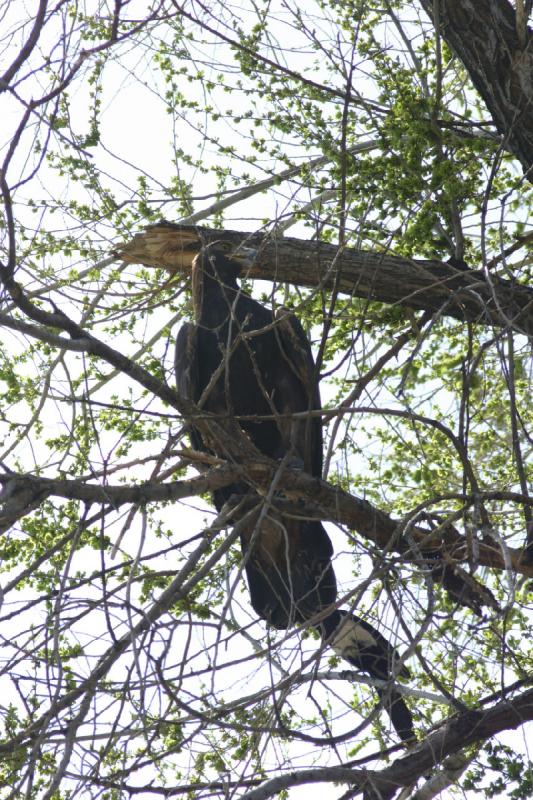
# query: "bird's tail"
[365,648]
[399,713]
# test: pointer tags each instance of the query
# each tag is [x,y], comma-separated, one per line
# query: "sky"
[139,137]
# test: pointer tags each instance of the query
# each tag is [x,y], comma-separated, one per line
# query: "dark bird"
[264,361]
[239,360]
[264,368]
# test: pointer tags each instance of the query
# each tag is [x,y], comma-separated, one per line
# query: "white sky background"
[136,130]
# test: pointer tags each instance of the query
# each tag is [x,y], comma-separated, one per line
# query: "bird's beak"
[244,256]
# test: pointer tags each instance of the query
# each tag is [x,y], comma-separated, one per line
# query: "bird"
[265,369]
[268,369]
[241,359]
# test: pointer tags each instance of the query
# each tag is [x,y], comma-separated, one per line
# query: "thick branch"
[462,730]
[307,495]
[417,284]
[497,50]
[369,521]
[21,494]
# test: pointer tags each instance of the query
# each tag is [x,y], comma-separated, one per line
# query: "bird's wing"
[289,571]
[296,351]
[186,362]
[186,369]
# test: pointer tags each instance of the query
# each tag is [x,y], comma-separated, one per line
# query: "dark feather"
[267,373]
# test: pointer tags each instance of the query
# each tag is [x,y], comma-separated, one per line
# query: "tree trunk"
[496,47]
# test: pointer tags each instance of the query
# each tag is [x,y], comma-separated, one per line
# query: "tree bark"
[496,47]
[413,283]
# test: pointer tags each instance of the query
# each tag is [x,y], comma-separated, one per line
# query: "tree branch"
[462,730]
[306,495]
[413,283]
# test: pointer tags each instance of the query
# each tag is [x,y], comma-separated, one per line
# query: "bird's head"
[217,267]
[223,260]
